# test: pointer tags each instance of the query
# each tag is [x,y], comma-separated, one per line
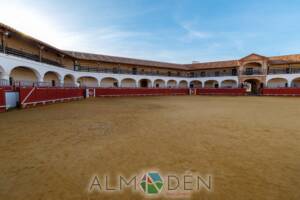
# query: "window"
[192,74]
[217,73]
[169,73]
[178,73]
[202,74]
[134,70]
[233,72]
[115,70]
[249,71]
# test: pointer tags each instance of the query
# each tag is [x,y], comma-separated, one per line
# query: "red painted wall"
[140,91]
[37,95]
[221,91]
[281,91]
[2,100]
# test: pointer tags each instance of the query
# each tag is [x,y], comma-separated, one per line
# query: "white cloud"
[33,21]
[62,33]
[192,32]
[51,29]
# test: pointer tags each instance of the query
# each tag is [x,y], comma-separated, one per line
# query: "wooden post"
[41,48]
[61,58]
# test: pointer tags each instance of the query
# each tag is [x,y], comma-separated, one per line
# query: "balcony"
[284,71]
[123,71]
[213,75]
[22,54]
[250,72]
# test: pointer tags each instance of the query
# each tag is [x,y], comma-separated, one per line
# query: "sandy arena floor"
[250,145]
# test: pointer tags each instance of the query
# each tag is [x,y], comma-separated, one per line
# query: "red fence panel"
[2,100]
[35,95]
[221,91]
[281,91]
[140,91]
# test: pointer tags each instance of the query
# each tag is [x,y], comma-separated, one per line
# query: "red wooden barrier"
[7,88]
[140,91]
[221,91]
[2,100]
[281,91]
[35,95]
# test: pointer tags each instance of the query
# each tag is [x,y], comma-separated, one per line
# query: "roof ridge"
[122,57]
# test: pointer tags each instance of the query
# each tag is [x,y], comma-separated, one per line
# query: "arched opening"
[128,82]
[159,83]
[196,84]
[277,83]
[145,83]
[24,76]
[252,68]
[52,79]
[229,84]
[252,86]
[3,81]
[109,82]
[183,84]
[211,84]
[171,84]
[69,80]
[296,82]
[1,72]
[87,81]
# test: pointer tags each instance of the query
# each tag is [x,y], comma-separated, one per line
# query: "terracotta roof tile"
[210,65]
[286,59]
[116,59]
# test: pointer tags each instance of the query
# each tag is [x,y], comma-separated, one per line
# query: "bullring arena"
[112,115]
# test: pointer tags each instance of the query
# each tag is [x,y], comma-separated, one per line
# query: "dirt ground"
[250,146]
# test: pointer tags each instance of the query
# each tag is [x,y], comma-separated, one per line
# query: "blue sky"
[167,30]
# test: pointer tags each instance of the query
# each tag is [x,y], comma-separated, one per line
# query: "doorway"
[144,83]
[253,86]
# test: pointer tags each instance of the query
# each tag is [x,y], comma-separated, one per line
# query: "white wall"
[88,82]
[108,82]
[128,83]
[229,84]
[277,83]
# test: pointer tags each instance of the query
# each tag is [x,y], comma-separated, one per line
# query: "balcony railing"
[285,71]
[4,82]
[212,74]
[131,72]
[252,72]
[123,71]
[22,54]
